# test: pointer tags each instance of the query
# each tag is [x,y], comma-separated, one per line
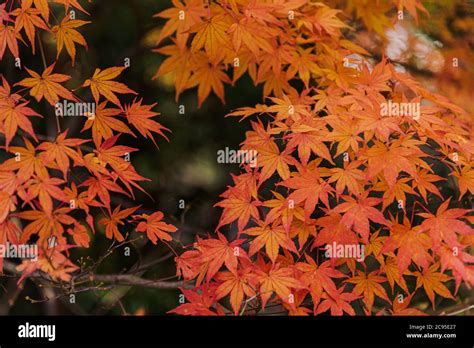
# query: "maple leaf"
[112,154]
[100,84]
[218,252]
[465,178]
[432,282]
[423,182]
[287,108]
[318,278]
[357,214]
[349,177]
[303,63]
[155,228]
[27,18]
[4,15]
[375,245]
[457,262]
[297,308]
[326,19]
[333,230]
[181,18]
[7,204]
[128,176]
[391,270]
[200,300]
[211,34]
[101,186]
[445,225]
[393,159]
[309,140]
[60,151]
[303,229]
[396,192]
[271,159]
[237,285]
[281,208]
[248,111]
[47,85]
[67,36]
[249,33]
[45,189]
[30,162]
[50,261]
[190,265]
[107,153]
[45,224]
[104,122]
[279,280]
[309,188]
[337,302]
[375,81]
[412,244]
[369,286]
[80,235]
[116,218]
[208,76]
[68,3]
[80,200]
[140,117]
[345,133]
[8,38]
[272,237]
[12,116]
[239,206]
[180,63]
[400,307]
[412,7]
[43,7]
[9,182]
[262,12]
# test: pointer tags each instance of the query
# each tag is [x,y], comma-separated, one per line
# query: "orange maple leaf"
[318,278]
[112,221]
[368,285]
[357,213]
[27,18]
[412,245]
[60,151]
[47,85]
[237,285]
[100,84]
[66,36]
[445,225]
[309,188]
[272,237]
[217,252]
[103,122]
[12,116]
[432,281]
[279,280]
[155,228]
[140,117]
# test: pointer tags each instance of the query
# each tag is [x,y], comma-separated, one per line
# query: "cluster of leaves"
[330,169]
[51,187]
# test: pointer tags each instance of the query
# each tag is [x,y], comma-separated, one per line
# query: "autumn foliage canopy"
[331,169]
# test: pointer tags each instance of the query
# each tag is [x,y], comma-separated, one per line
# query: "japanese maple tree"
[52,188]
[331,166]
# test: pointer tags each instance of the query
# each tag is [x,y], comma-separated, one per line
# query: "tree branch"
[112,279]
[131,280]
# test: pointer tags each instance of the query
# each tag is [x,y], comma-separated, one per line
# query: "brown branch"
[117,279]
[132,280]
